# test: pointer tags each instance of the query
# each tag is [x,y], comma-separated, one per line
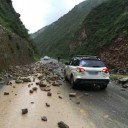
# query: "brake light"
[105,70]
[80,69]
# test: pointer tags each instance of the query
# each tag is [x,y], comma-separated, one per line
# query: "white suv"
[84,69]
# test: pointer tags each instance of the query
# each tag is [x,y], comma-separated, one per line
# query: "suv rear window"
[91,63]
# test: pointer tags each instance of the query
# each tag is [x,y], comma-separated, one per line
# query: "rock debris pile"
[123,82]
[37,76]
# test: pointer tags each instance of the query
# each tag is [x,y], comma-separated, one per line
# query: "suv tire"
[73,84]
[103,87]
[65,77]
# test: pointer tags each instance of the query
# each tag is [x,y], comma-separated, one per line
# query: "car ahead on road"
[84,69]
[46,58]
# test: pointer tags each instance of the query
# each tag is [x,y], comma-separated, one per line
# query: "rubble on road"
[25,79]
[123,82]
[49,94]
[34,88]
[72,94]
[60,97]
[61,124]
[48,105]
[24,111]
[30,91]
[6,93]
[44,118]
[18,81]
[42,84]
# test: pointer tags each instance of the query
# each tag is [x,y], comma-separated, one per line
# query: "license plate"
[93,73]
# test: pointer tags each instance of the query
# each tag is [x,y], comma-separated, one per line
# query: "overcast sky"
[36,14]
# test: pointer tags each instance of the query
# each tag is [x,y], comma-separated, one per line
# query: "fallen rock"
[47,89]
[34,79]
[37,83]
[40,76]
[24,111]
[55,84]
[77,102]
[125,86]
[29,85]
[44,118]
[48,105]
[54,78]
[34,88]
[9,83]
[26,79]
[60,97]
[72,94]
[18,81]
[61,124]
[6,93]
[30,91]
[49,94]
[123,81]
[41,84]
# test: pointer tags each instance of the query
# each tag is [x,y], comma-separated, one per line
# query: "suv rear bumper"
[92,81]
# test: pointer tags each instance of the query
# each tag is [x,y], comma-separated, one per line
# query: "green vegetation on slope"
[54,39]
[104,25]
[10,19]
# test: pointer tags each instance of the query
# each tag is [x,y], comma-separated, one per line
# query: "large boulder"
[123,81]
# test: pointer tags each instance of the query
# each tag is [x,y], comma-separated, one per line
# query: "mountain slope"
[15,47]
[55,38]
[106,30]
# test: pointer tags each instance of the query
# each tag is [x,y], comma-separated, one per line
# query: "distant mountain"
[54,39]
[15,45]
[34,35]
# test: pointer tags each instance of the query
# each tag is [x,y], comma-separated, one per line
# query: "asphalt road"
[91,108]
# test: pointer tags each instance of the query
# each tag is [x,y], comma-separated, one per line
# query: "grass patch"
[117,77]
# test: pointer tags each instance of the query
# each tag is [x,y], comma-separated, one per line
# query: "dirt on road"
[46,100]
[38,97]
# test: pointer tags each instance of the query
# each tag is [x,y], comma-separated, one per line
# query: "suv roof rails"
[86,56]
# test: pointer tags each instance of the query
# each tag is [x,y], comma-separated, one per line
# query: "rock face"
[13,51]
[116,55]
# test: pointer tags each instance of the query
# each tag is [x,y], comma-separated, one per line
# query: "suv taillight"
[80,69]
[105,70]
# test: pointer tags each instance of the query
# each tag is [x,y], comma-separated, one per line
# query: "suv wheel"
[103,87]
[65,76]
[73,84]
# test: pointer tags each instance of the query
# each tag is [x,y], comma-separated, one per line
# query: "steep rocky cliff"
[15,47]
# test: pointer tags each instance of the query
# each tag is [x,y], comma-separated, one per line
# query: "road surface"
[91,108]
